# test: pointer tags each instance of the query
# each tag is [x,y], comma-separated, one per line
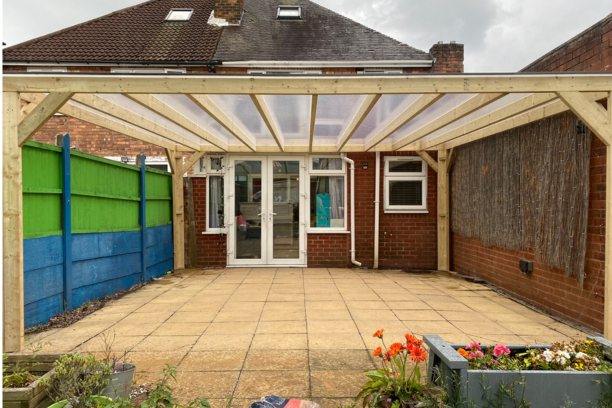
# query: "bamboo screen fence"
[527,188]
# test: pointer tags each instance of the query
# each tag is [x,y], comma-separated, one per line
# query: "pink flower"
[471,356]
[495,361]
[479,353]
[472,346]
[500,350]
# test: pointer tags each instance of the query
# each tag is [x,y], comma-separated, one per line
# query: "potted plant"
[561,374]
[398,383]
[21,377]
[121,372]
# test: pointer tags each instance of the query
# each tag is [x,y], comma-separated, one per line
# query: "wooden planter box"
[541,388]
[32,396]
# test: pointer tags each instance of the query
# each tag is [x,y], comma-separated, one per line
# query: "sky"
[499,35]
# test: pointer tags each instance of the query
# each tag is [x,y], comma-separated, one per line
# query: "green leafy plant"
[505,395]
[77,379]
[19,375]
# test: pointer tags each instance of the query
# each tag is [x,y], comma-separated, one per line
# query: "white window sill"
[323,231]
[406,212]
[214,232]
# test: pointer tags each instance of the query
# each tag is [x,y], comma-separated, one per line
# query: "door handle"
[271,214]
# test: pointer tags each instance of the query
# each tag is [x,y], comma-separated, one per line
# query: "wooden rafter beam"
[599,122]
[207,105]
[40,114]
[418,106]
[157,106]
[363,111]
[313,119]
[428,159]
[519,120]
[191,161]
[95,119]
[469,106]
[112,109]
[266,115]
[310,85]
[512,109]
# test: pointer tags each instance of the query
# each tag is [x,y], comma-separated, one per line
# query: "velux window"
[405,185]
[179,15]
[327,194]
[289,13]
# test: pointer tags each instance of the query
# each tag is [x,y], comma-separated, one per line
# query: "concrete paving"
[304,333]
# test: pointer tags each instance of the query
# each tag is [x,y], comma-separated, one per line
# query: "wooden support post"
[178,218]
[443,213]
[142,216]
[608,242]
[12,226]
[67,222]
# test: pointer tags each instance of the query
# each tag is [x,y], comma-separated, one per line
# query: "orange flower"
[377,352]
[395,348]
[418,354]
[413,340]
[379,333]
[387,356]
[463,353]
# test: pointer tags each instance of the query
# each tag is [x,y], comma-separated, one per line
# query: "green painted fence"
[105,193]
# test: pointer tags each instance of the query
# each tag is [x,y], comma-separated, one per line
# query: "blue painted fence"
[97,264]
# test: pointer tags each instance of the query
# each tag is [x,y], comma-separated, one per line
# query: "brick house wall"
[547,288]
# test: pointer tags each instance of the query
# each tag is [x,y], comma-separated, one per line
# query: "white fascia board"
[331,64]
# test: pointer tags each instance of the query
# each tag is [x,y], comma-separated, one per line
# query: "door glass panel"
[248,205]
[286,209]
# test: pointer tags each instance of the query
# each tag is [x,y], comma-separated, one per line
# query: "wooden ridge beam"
[363,111]
[157,106]
[39,115]
[469,106]
[599,122]
[112,109]
[512,109]
[266,115]
[519,120]
[207,105]
[310,85]
[313,119]
[428,159]
[412,111]
[95,119]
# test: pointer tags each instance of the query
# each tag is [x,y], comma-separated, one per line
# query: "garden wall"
[101,203]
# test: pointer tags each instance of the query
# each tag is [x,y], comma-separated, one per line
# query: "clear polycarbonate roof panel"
[292,116]
[498,104]
[242,111]
[148,114]
[442,106]
[334,114]
[386,109]
[113,119]
[186,107]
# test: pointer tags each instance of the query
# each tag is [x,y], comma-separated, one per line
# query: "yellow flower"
[588,341]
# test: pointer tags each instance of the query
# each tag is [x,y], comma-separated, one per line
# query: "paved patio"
[306,333]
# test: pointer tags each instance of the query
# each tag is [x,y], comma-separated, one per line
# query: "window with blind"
[405,185]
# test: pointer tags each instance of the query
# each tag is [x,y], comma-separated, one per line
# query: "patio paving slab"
[300,333]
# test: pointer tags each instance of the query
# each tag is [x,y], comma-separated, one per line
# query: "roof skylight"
[178,15]
[289,13]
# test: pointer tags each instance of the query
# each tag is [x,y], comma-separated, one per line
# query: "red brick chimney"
[229,10]
[448,57]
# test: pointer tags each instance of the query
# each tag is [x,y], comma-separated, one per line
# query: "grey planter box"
[541,388]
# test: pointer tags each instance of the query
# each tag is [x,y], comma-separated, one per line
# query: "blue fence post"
[143,220]
[67,222]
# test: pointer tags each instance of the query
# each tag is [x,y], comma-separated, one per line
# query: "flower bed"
[557,375]
[31,394]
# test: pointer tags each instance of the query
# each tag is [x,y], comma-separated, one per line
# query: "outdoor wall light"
[365,165]
[526,266]
[581,128]
[125,159]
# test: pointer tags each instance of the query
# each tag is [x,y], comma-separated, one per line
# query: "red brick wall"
[230,10]
[548,288]
[449,57]
[211,249]
[328,250]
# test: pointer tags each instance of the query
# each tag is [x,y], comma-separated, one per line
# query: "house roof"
[321,35]
[139,34]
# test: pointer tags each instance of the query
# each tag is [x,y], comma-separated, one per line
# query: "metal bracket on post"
[67,222]
[143,218]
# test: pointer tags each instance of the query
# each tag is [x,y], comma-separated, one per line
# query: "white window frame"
[331,173]
[382,71]
[47,69]
[420,176]
[120,70]
[284,72]
[212,231]
[190,10]
[289,7]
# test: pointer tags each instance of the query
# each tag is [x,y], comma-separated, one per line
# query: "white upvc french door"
[267,206]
